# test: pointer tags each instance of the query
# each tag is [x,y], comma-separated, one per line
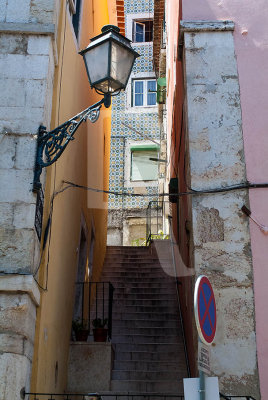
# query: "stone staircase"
[147,339]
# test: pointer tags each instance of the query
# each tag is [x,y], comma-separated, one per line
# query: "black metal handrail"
[227,397]
[155,215]
[59,396]
[115,396]
[101,396]
[96,302]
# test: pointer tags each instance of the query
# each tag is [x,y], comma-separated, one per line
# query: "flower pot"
[100,334]
[82,335]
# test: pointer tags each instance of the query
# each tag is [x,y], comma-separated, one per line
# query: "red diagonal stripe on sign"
[207,305]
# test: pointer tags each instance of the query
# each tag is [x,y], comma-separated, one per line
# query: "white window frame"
[140,22]
[138,17]
[145,92]
[155,154]
[128,183]
[71,13]
[128,105]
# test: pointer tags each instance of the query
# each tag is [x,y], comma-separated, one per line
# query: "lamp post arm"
[50,145]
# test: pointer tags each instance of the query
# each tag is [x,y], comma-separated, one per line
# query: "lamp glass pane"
[108,86]
[97,62]
[121,63]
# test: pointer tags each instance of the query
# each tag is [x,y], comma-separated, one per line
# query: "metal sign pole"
[205,317]
[202,392]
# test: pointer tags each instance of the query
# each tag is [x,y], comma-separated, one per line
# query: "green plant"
[78,325]
[139,242]
[160,235]
[99,323]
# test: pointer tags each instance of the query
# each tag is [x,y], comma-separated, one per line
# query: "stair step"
[114,273]
[127,249]
[156,284]
[144,323]
[149,356]
[154,315]
[134,270]
[151,347]
[147,375]
[145,305]
[147,339]
[132,256]
[149,365]
[142,262]
[146,330]
[145,386]
[144,296]
[144,309]
[145,315]
[140,339]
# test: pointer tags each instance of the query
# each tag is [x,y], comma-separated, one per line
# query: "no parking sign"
[205,310]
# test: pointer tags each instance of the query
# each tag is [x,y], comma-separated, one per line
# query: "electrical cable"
[243,185]
[123,194]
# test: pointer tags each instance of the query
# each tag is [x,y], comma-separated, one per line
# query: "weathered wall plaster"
[251,38]
[221,240]
[90,367]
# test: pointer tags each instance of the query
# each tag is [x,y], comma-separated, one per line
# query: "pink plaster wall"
[172,22]
[251,47]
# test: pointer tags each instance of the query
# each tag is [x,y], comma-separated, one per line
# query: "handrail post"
[89,296]
[103,301]
[111,291]
[82,307]
[96,316]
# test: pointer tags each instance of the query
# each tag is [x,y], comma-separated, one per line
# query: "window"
[75,8]
[142,168]
[144,92]
[142,31]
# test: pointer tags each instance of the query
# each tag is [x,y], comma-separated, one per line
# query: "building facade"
[52,238]
[216,139]
[135,135]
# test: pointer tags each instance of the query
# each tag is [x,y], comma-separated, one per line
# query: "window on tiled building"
[142,168]
[143,92]
[143,31]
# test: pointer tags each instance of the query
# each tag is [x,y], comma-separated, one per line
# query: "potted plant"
[80,330]
[99,331]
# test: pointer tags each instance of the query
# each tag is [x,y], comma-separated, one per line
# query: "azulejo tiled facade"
[142,121]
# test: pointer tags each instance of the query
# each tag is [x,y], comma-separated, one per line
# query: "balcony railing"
[94,300]
[157,226]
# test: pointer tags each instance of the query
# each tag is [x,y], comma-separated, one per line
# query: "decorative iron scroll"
[50,145]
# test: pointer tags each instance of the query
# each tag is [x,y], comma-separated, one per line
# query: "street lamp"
[109,59]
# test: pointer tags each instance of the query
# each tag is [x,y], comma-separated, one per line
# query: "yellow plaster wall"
[84,162]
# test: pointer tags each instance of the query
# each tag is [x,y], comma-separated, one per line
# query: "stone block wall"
[220,233]
[27,30]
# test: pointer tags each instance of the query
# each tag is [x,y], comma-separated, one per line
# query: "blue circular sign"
[205,310]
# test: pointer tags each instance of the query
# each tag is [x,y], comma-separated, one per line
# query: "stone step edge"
[146,381]
[141,335]
[139,394]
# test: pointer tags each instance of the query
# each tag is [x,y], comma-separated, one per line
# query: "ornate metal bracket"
[50,145]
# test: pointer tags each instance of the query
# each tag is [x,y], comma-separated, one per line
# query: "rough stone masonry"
[220,233]
[27,59]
